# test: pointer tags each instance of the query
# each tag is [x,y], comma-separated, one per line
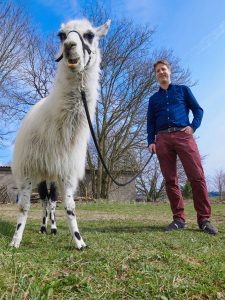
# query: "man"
[170,133]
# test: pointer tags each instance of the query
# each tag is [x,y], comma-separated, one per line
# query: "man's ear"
[103,29]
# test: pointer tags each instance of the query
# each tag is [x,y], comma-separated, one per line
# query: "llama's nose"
[68,45]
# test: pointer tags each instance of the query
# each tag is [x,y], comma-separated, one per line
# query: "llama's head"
[79,44]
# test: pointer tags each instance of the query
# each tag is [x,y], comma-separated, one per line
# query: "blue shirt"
[170,108]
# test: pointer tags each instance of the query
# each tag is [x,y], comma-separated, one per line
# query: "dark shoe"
[207,227]
[176,224]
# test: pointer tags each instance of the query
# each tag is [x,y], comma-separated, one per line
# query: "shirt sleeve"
[150,123]
[194,107]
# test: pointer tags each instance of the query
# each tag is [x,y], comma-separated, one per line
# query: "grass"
[129,255]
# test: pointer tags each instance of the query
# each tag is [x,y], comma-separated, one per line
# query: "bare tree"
[127,81]
[150,184]
[34,77]
[219,183]
[13,32]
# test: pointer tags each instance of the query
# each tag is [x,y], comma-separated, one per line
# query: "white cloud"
[211,142]
[143,11]
[63,8]
[211,38]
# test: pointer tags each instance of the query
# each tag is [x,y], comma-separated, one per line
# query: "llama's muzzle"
[72,63]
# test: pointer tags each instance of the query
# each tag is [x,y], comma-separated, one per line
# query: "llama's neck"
[68,83]
[66,98]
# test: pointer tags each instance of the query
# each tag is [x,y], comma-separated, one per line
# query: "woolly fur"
[52,141]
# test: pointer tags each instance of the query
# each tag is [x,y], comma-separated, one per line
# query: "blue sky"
[194,29]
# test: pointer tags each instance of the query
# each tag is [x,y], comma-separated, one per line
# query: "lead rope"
[83,95]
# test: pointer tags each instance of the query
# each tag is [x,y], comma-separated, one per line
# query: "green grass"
[129,255]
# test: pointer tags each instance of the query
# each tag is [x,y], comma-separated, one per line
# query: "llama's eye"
[62,36]
[89,36]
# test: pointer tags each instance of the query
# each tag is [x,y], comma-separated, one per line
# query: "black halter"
[84,46]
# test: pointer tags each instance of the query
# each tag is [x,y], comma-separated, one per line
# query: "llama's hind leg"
[43,192]
[24,206]
[71,217]
[52,203]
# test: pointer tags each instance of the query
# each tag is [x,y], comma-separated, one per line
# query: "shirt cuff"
[151,142]
[194,128]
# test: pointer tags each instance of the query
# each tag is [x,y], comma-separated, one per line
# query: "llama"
[52,141]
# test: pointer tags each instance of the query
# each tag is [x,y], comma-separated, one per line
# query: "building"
[127,193]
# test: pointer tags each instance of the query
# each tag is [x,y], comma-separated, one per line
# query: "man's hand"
[152,148]
[188,130]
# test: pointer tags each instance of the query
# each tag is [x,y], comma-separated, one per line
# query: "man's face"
[162,73]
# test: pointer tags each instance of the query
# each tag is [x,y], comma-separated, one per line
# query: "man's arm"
[194,107]
[150,123]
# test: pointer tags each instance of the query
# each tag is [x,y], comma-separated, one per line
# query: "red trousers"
[168,146]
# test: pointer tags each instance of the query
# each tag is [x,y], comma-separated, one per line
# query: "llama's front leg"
[71,217]
[44,223]
[43,192]
[52,204]
[24,205]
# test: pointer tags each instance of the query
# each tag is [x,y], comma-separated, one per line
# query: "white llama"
[52,141]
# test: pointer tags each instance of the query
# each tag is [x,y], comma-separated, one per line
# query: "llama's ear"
[103,29]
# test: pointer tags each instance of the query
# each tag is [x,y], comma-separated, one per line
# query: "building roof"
[121,172]
[5,168]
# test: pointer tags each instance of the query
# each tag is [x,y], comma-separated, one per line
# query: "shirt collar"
[169,87]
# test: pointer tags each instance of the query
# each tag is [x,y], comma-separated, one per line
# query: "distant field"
[129,255]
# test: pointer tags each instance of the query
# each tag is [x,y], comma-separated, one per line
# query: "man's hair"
[162,61]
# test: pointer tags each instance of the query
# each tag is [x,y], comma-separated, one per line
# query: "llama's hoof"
[43,229]
[14,244]
[53,231]
[82,248]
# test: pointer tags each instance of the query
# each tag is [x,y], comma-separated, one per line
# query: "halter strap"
[84,46]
